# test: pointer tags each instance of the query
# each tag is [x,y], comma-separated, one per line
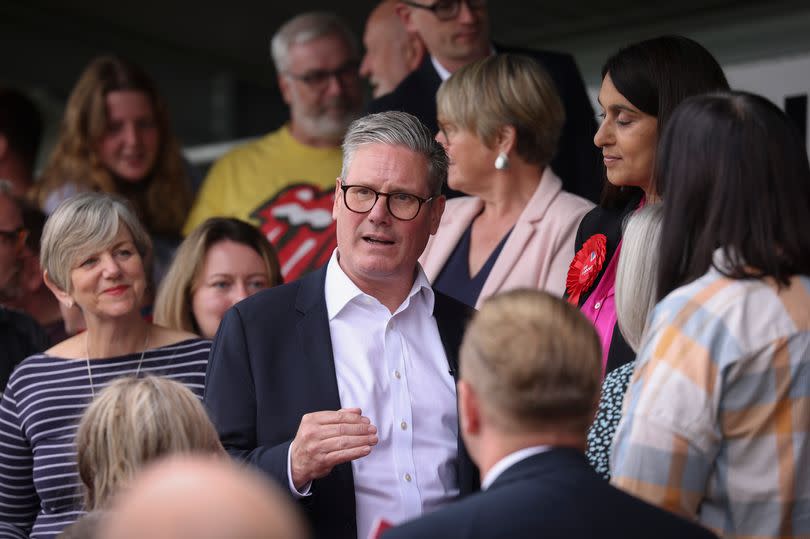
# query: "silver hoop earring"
[501,162]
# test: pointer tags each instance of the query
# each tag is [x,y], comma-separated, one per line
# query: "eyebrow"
[619,107]
[119,244]
[231,275]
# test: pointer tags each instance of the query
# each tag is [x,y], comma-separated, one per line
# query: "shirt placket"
[402,430]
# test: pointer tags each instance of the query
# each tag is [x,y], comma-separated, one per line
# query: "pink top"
[601,307]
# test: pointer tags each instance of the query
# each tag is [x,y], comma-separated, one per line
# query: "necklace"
[87,360]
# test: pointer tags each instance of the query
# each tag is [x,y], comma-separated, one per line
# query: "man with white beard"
[284,181]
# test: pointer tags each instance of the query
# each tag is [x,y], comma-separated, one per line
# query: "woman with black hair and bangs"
[641,86]
[718,410]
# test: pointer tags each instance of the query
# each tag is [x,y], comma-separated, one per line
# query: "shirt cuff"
[295,492]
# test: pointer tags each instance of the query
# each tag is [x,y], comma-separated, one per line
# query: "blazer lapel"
[315,339]
[318,358]
[525,227]
[610,224]
[451,318]
[458,215]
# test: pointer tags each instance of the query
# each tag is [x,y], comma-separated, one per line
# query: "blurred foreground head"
[186,497]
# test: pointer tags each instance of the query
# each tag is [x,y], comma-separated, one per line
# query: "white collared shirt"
[510,460]
[394,368]
[444,74]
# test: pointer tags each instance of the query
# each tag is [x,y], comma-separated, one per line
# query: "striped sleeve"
[19,502]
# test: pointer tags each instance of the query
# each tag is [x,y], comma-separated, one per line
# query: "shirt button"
[598,304]
[391,324]
[408,477]
[397,375]
[403,425]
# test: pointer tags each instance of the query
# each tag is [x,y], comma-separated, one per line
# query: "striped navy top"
[40,489]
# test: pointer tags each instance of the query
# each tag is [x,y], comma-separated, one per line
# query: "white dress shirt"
[394,368]
[510,460]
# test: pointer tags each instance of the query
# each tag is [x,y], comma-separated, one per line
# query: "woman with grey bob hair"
[635,297]
[93,254]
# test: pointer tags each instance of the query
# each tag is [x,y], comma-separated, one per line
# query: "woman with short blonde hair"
[500,121]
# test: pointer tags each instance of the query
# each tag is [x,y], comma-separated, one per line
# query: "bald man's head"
[391,51]
[202,498]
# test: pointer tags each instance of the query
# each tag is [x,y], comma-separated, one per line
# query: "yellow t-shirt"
[283,187]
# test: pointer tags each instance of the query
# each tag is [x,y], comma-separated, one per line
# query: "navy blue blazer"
[271,363]
[577,162]
[553,495]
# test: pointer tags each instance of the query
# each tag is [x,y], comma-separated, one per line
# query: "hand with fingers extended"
[326,439]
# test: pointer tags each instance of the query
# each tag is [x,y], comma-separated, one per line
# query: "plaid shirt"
[717,415]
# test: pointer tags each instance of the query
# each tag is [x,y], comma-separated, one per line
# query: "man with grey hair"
[283,181]
[341,385]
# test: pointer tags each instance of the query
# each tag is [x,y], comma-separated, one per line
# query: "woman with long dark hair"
[717,414]
[641,86]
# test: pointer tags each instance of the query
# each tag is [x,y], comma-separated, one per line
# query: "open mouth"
[377,241]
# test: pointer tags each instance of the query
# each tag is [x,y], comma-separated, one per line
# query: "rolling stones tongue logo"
[298,222]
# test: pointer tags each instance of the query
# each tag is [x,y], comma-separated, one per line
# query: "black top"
[455,280]
[20,337]
[577,161]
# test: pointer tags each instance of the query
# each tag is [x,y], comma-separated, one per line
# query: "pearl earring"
[501,162]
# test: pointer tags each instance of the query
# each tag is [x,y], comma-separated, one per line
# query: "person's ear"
[469,410]
[506,139]
[405,13]
[284,88]
[63,297]
[414,51]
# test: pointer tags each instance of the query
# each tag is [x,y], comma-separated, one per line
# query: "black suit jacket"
[609,222]
[577,161]
[553,495]
[271,363]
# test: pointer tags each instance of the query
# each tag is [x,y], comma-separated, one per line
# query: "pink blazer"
[538,251]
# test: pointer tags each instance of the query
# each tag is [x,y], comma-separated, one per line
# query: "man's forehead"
[325,49]
[388,163]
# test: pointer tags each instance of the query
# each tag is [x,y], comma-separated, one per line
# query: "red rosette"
[585,267]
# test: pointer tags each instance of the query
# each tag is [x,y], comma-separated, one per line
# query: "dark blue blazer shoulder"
[553,495]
